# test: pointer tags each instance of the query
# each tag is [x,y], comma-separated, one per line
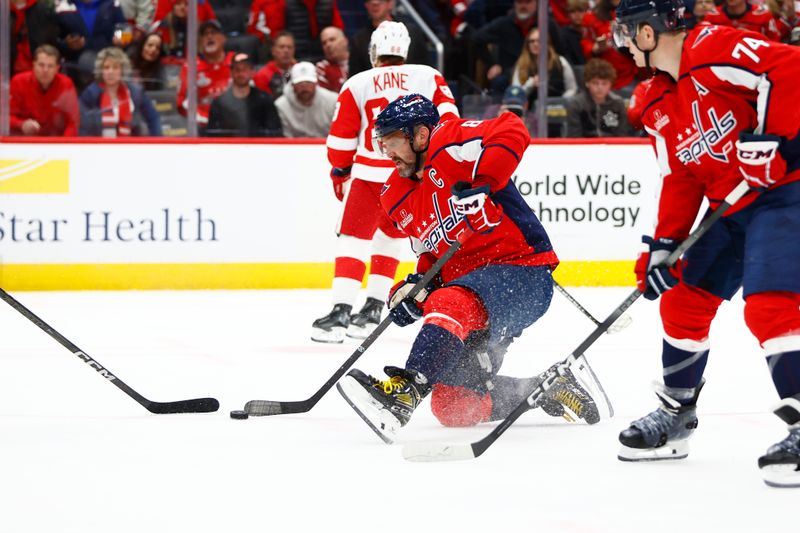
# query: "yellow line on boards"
[196,276]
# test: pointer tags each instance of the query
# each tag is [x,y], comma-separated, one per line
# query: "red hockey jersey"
[482,153]
[757,18]
[361,99]
[212,80]
[730,81]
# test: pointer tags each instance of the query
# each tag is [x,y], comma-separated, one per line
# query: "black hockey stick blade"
[435,452]
[199,405]
[272,408]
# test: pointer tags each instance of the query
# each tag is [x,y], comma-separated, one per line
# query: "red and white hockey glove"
[653,277]
[340,177]
[480,212]
[405,310]
[759,160]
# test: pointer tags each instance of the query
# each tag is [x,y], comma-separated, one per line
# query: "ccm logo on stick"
[91,362]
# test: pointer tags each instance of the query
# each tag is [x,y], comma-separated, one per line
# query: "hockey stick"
[269,407]
[198,405]
[621,323]
[432,451]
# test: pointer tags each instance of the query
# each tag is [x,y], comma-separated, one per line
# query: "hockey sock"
[774,318]
[347,276]
[435,350]
[684,361]
[381,276]
[784,365]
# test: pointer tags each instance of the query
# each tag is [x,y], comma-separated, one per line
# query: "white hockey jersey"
[360,101]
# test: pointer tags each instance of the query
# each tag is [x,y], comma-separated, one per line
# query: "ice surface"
[76,454]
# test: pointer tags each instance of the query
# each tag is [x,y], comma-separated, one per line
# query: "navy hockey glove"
[759,160]
[405,310]
[480,212]
[340,176]
[653,277]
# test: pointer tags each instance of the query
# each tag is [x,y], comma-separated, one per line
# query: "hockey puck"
[240,415]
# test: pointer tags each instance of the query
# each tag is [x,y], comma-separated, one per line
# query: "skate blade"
[678,449]
[781,476]
[360,333]
[334,336]
[371,411]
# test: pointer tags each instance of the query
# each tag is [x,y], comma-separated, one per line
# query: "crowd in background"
[272,68]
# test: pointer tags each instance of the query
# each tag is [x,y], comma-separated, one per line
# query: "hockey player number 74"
[372,109]
[748,46]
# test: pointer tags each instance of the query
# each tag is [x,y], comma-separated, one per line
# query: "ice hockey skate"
[366,320]
[664,433]
[780,466]
[333,326]
[385,406]
[565,398]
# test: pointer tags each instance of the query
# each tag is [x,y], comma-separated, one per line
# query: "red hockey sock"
[459,406]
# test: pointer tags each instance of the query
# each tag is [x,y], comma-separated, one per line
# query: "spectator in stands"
[85,28]
[267,18]
[213,71]
[305,19]
[147,69]
[112,108]
[573,33]
[560,77]
[379,11]
[43,102]
[332,71]
[699,11]
[242,110]
[204,10]
[172,29]
[275,75]
[507,35]
[597,43]
[140,15]
[596,111]
[746,16]
[306,110]
[636,105]
[33,23]
[794,37]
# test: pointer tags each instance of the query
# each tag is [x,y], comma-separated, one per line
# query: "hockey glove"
[340,176]
[475,206]
[405,310]
[759,160]
[653,277]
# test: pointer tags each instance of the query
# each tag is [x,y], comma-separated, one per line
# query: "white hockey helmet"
[389,39]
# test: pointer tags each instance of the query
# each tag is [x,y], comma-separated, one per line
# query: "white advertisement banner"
[274,203]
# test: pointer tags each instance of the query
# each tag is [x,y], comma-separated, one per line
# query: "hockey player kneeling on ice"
[451,178]
[721,108]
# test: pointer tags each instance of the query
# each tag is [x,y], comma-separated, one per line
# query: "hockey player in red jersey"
[452,178]
[364,232]
[745,16]
[724,109]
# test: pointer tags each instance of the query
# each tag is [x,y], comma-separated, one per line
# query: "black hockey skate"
[332,327]
[664,433]
[385,406]
[566,397]
[780,466]
[365,321]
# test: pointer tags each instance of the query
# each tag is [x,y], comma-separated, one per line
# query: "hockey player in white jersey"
[364,232]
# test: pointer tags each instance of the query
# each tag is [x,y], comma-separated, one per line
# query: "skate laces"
[393,384]
[791,443]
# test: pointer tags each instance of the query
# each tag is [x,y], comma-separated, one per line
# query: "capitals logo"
[704,140]
[439,229]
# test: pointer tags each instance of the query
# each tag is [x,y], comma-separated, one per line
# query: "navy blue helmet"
[661,15]
[404,114]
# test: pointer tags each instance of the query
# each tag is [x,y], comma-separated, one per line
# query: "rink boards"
[206,215]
